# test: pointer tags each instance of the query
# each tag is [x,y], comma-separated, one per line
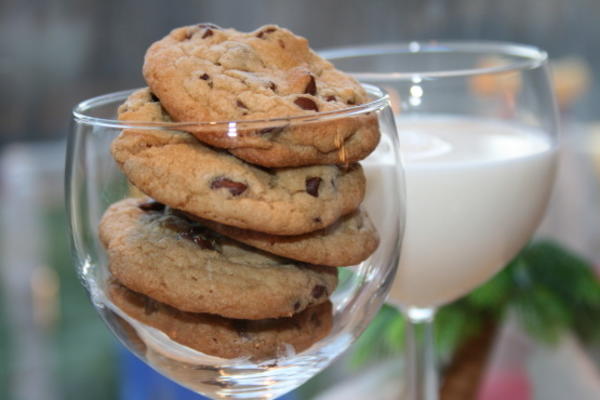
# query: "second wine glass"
[478,134]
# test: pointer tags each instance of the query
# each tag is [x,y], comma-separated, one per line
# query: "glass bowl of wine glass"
[145,241]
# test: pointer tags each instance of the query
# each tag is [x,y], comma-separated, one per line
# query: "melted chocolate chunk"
[152,205]
[190,230]
[208,32]
[262,33]
[241,104]
[306,104]
[312,185]
[318,291]
[204,76]
[235,188]
[330,98]
[311,86]
[200,236]
[272,86]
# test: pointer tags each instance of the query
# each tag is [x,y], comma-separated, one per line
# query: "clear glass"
[94,182]
[478,135]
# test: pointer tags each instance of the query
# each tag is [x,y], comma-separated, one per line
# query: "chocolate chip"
[153,97]
[204,76]
[262,33]
[241,104]
[272,86]
[152,205]
[201,238]
[318,291]
[203,243]
[235,188]
[312,185]
[208,32]
[330,98]
[306,104]
[311,86]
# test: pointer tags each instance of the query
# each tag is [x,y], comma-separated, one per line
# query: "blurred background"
[55,53]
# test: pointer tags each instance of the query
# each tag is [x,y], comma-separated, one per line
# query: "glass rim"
[81,114]
[528,57]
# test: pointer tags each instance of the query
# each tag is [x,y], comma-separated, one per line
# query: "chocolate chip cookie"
[347,242]
[223,337]
[176,169]
[191,268]
[203,73]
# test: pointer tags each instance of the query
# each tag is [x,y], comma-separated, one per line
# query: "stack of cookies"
[234,250]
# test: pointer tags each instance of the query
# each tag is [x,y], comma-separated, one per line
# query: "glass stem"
[421,365]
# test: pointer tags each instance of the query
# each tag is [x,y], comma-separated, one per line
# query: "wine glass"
[478,134]
[94,182]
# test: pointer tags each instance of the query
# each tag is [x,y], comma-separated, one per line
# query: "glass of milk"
[478,135]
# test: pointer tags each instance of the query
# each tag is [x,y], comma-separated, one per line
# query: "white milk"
[476,190]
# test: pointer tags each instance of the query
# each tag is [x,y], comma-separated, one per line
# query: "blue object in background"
[140,382]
